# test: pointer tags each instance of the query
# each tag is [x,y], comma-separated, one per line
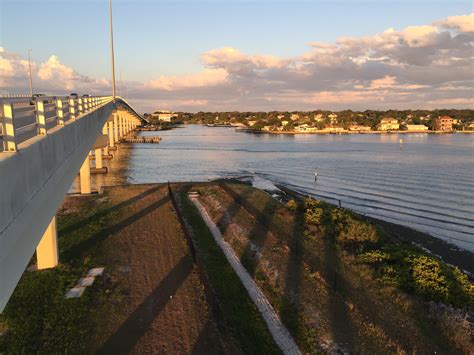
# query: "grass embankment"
[240,315]
[340,281]
[38,319]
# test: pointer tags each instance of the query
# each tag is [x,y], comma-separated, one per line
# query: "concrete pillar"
[111,134]
[47,250]
[98,159]
[116,129]
[85,174]
[120,125]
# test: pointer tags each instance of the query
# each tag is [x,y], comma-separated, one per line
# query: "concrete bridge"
[45,142]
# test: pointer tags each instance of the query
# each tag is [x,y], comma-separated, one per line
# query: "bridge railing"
[22,118]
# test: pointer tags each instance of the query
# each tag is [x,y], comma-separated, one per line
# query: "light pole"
[112,50]
[29,67]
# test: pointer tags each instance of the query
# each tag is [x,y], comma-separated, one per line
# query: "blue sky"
[167,38]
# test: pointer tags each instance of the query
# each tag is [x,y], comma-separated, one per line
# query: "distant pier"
[141,139]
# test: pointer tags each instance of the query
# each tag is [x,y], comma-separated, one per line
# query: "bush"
[292,205]
[428,278]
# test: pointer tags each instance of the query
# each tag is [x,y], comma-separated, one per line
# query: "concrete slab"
[75,292]
[86,281]
[97,271]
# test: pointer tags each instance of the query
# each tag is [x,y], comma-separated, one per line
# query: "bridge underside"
[35,180]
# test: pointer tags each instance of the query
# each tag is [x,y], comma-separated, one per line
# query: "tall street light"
[29,67]
[112,50]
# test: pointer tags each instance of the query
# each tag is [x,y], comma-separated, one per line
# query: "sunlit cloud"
[414,67]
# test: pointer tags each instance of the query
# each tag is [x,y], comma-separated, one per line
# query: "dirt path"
[280,334]
[164,310]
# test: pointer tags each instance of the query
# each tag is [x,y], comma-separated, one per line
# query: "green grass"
[404,266]
[240,314]
[38,318]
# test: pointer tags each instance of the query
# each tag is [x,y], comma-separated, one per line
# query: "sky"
[264,55]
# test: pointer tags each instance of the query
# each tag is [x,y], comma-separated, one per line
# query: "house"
[332,118]
[416,127]
[301,128]
[251,123]
[164,115]
[284,122]
[358,128]
[294,116]
[443,123]
[388,124]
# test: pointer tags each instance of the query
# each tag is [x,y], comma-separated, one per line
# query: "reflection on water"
[427,185]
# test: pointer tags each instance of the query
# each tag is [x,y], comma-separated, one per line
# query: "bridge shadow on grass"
[258,236]
[291,305]
[226,219]
[139,321]
[342,328]
[100,214]
[84,245]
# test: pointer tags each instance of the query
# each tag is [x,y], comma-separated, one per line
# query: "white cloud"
[208,77]
[407,68]
[463,23]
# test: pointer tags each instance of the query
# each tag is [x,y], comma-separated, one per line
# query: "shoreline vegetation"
[339,282]
[328,122]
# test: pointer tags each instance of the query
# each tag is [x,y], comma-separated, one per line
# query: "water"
[427,185]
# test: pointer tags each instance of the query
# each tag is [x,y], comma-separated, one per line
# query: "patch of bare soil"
[164,309]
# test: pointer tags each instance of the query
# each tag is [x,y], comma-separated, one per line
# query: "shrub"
[313,216]
[291,205]
[428,278]
[375,257]
[356,234]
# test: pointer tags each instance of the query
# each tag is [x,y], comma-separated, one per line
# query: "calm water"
[427,185]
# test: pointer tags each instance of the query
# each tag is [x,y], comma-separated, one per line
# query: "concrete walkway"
[279,333]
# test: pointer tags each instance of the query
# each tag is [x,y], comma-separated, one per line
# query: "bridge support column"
[47,250]
[85,174]
[111,134]
[116,128]
[98,159]
[121,126]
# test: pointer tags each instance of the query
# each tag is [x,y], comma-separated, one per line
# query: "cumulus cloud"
[419,66]
[463,23]
[208,77]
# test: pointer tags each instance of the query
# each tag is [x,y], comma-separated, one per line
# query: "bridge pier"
[98,159]
[85,176]
[116,129]
[47,250]
[110,124]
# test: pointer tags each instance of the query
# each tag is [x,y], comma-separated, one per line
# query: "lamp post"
[112,50]
[29,68]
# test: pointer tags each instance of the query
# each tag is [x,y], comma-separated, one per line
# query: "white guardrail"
[25,117]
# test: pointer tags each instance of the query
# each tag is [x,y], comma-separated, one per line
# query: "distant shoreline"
[352,132]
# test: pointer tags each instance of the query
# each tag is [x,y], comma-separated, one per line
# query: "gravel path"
[279,333]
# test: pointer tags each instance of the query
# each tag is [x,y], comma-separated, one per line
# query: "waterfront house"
[416,127]
[294,117]
[388,124]
[332,118]
[164,115]
[251,123]
[284,122]
[443,123]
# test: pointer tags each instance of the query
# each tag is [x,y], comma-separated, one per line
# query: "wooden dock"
[141,139]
